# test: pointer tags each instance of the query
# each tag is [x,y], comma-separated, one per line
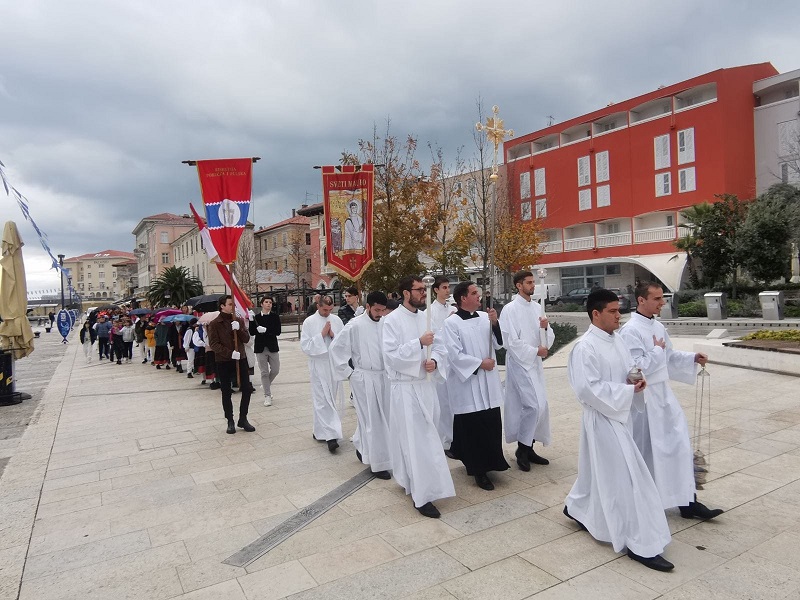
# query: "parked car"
[624,299]
[576,296]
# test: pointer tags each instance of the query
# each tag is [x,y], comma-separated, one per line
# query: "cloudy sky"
[100,101]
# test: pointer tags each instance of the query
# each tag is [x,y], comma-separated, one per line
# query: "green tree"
[174,286]
[719,243]
[694,217]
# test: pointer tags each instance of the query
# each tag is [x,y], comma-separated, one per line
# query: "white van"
[551,291]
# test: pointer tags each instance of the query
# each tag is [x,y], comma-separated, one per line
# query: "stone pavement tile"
[723,536]
[767,446]
[174,459]
[689,561]
[365,500]
[571,555]
[784,468]
[301,544]
[71,480]
[499,542]
[492,512]
[437,592]
[552,493]
[788,415]
[467,489]
[207,572]
[12,562]
[275,485]
[404,513]
[736,434]
[168,439]
[13,491]
[510,579]
[151,456]
[86,468]
[396,579]
[227,590]
[345,560]
[150,490]
[601,582]
[225,541]
[76,491]
[790,435]
[145,518]
[421,535]
[267,524]
[225,472]
[63,507]
[747,577]
[147,574]
[68,538]
[137,479]
[733,459]
[735,489]
[350,529]
[117,472]
[86,554]
[16,519]
[783,549]
[197,446]
[277,582]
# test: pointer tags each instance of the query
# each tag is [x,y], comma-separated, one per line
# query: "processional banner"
[348,217]
[226,186]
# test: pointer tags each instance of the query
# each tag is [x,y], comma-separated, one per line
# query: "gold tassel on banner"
[702,427]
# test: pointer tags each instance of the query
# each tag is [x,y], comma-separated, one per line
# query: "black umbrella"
[205,303]
[141,311]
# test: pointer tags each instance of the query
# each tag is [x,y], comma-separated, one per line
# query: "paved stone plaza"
[125,485]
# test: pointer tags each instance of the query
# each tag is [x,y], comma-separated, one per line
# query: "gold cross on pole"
[496,134]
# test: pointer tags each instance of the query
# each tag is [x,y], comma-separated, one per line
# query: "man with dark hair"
[440,310]
[356,353]
[266,327]
[614,497]
[527,413]
[418,463]
[352,307]
[475,386]
[227,335]
[316,336]
[660,430]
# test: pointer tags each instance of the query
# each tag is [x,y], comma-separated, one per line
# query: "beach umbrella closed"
[16,334]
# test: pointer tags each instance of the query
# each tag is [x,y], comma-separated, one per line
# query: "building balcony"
[614,239]
[580,243]
[654,234]
[551,247]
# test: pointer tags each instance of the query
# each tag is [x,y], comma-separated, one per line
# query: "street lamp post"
[61,276]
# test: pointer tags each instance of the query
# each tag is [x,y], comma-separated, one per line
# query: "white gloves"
[261,329]
[235,355]
[251,314]
[235,325]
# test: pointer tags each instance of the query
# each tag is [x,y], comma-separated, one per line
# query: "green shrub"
[791,312]
[564,333]
[692,309]
[786,335]
[747,306]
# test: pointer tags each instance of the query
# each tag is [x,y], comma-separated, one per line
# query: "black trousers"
[103,347]
[226,372]
[478,441]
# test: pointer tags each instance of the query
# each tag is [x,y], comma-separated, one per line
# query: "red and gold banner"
[226,185]
[348,218]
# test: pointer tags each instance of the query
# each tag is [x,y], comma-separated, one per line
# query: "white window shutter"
[585,199]
[601,166]
[525,185]
[686,146]
[603,195]
[539,182]
[525,210]
[541,208]
[584,175]
[661,148]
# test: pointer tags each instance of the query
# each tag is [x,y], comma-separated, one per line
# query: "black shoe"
[252,389]
[203,382]
[358,456]
[450,454]
[522,458]
[179,369]
[484,482]
[536,459]
[696,510]
[168,367]
[657,562]
[119,362]
[569,516]
[332,446]
[158,367]
[144,362]
[245,425]
[214,386]
[429,510]
[382,474]
[190,376]
[231,427]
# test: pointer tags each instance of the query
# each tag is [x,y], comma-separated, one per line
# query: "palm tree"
[695,216]
[174,286]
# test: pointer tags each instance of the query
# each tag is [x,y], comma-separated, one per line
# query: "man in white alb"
[418,463]
[614,496]
[440,310]
[527,413]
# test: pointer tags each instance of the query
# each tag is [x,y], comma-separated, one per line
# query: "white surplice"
[418,463]
[324,387]
[614,495]
[360,341]
[660,429]
[444,420]
[527,415]
[467,342]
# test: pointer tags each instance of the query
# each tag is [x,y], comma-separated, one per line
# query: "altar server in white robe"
[476,392]
[440,310]
[660,429]
[614,496]
[527,416]
[316,336]
[418,463]
[357,353]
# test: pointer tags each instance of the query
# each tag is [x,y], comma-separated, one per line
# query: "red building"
[609,185]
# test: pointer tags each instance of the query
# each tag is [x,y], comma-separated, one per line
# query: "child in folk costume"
[161,356]
[150,342]
[88,337]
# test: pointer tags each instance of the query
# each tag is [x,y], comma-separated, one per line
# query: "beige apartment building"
[100,277]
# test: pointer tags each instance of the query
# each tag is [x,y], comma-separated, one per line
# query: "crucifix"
[495,134]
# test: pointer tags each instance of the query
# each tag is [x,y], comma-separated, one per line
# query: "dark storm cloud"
[100,101]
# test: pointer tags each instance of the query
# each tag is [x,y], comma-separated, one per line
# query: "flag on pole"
[204,236]
[348,218]
[240,299]
[226,186]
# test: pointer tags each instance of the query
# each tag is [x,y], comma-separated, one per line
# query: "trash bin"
[7,393]
[771,305]
[670,308]
[716,306]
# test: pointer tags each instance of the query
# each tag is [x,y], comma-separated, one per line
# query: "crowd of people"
[425,387]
